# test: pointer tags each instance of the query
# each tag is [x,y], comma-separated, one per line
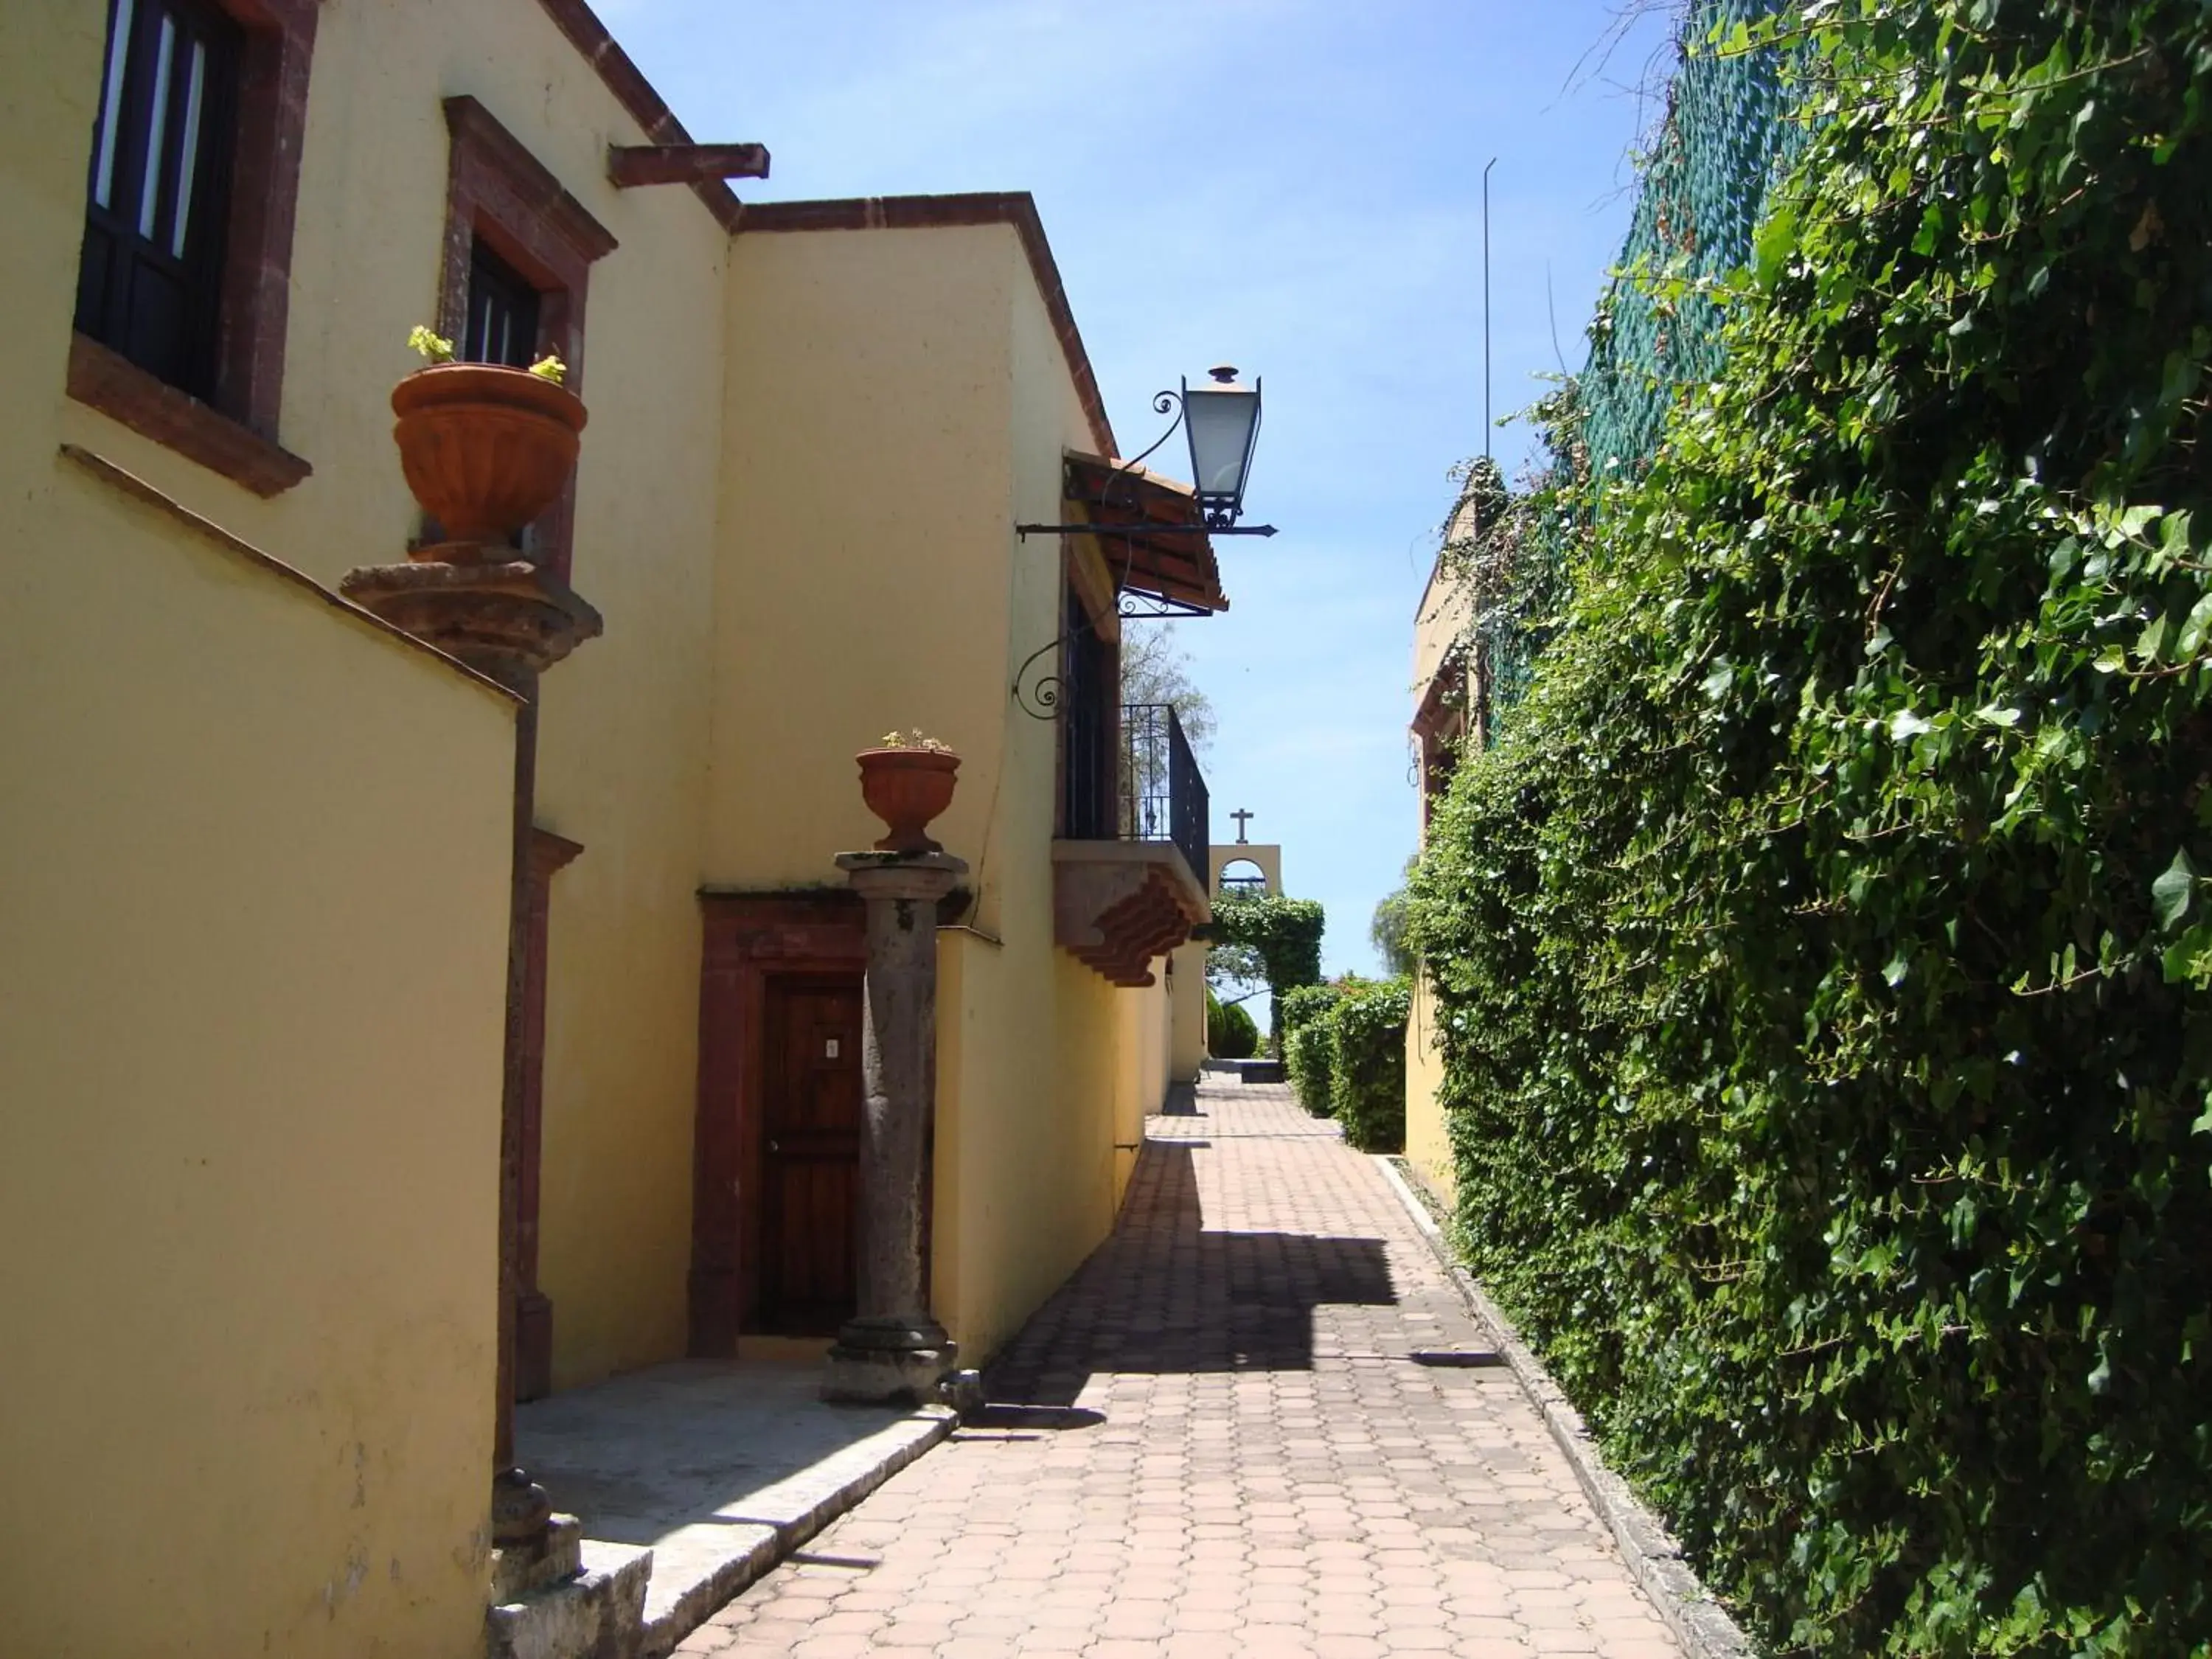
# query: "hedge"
[1230,1033]
[1367,1087]
[1307,1044]
[1343,1049]
[1309,1063]
[1821,951]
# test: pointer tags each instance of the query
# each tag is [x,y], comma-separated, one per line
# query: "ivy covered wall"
[1823,964]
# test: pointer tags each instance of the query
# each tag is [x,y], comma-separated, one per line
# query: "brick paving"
[1258,1422]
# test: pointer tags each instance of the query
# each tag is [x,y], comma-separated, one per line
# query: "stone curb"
[740,1573]
[1699,1623]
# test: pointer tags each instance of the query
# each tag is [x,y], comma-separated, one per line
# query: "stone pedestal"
[892,1349]
[505,618]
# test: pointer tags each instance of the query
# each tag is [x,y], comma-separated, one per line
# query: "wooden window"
[192,187]
[502,326]
[150,279]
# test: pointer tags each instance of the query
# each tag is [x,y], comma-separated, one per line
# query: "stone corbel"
[509,621]
[1117,904]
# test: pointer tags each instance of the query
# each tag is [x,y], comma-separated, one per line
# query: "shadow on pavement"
[1163,1295]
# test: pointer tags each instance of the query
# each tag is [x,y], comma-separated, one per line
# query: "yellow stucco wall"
[896,401]
[1439,620]
[1143,1043]
[1186,1032]
[250,1035]
[623,731]
[622,728]
[1051,1172]
[250,1046]
[1428,1144]
[799,539]
[867,547]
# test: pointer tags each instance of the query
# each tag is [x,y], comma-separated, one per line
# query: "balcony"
[1128,876]
[1162,795]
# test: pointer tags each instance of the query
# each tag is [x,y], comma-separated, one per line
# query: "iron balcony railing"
[1163,792]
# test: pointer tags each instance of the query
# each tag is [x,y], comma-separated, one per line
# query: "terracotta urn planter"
[906,788]
[485,448]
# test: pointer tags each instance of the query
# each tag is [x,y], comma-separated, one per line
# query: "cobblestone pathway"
[1227,1437]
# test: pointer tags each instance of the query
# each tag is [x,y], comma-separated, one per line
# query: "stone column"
[892,1349]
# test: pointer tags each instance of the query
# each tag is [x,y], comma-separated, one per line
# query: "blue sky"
[1289,185]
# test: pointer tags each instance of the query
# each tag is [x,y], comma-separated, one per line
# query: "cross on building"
[1242,817]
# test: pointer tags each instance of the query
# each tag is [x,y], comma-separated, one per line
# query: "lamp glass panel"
[1221,438]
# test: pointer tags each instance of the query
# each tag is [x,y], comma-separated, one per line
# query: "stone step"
[597,1613]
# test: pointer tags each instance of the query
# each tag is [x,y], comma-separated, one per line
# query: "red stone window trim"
[235,434]
[111,383]
[497,190]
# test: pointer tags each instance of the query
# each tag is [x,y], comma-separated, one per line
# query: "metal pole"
[1485,306]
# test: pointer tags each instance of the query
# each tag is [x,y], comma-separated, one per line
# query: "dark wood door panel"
[810,1154]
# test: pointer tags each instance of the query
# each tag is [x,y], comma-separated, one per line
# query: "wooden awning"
[1148,531]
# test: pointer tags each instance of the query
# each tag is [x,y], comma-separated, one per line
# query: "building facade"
[1443,697]
[260,1043]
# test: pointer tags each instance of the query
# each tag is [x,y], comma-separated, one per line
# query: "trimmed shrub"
[1367,1042]
[1343,1049]
[1230,1033]
[1303,1038]
[1302,1003]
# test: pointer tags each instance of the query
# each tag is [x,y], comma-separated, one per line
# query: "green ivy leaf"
[2171,892]
[1776,242]
[2193,628]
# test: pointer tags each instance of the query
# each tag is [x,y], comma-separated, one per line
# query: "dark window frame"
[233,429]
[503,308]
[150,276]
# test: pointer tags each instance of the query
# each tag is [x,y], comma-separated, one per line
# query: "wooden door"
[809,1155]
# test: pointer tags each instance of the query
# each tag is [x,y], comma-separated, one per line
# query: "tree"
[1386,932]
[1235,973]
[1154,669]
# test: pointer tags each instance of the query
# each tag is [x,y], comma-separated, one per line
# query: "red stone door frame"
[749,940]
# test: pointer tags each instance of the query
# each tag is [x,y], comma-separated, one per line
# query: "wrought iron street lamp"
[1222,421]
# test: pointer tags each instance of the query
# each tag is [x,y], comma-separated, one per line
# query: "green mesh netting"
[1726,137]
